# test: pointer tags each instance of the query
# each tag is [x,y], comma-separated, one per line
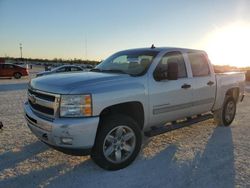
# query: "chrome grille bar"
[39,104]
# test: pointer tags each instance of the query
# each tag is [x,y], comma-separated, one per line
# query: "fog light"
[67,141]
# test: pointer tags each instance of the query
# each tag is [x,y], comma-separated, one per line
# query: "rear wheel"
[118,142]
[226,115]
[17,75]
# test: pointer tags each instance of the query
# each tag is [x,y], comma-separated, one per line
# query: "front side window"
[63,69]
[173,57]
[199,64]
[133,62]
[75,69]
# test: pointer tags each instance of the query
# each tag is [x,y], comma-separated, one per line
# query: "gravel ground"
[202,155]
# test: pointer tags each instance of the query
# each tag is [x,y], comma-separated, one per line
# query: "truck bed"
[226,81]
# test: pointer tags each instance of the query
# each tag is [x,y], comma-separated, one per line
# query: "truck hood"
[64,83]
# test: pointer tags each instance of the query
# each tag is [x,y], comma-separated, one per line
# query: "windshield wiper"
[111,71]
[115,71]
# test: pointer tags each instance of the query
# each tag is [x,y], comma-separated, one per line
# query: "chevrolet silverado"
[134,93]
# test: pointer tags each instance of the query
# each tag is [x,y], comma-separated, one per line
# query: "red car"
[11,70]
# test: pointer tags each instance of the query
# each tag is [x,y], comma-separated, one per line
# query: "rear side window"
[199,64]
[175,57]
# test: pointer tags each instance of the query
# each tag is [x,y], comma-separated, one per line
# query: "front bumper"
[81,131]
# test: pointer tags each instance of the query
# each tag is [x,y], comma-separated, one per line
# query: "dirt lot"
[202,155]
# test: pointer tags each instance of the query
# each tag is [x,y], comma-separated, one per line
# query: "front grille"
[42,109]
[42,96]
[43,103]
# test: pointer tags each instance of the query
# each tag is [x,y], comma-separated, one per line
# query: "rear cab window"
[199,64]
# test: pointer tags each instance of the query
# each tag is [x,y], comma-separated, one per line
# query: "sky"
[94,29]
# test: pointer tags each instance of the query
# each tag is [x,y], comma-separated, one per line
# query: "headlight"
[76,106]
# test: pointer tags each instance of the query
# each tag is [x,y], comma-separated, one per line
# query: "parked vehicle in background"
[86,66]
[2,60]
[248,75]
[11,70]
[61,69]
[147,91]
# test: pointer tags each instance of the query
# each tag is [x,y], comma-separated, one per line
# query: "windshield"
[133,62]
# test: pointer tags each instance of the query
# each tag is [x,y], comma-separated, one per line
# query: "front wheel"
[226,115]
[17,75]
[118,142]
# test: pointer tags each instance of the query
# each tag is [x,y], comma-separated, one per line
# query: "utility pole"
[21,50]
[86,48]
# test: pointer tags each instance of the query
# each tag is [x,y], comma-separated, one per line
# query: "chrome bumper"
[78,132]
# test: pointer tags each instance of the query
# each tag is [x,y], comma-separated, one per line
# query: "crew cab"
[11,70]
[133,93]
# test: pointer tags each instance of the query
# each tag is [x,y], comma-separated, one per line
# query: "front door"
[170,99]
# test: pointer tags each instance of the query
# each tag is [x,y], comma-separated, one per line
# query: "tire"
[17,75]
[226,115]
[118,142]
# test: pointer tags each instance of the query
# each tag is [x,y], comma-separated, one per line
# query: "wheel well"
[234,92]
[132,109]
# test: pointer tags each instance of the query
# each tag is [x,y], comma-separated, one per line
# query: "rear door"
[170,99]
[204,86]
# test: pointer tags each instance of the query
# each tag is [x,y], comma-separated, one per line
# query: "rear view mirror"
[172,71]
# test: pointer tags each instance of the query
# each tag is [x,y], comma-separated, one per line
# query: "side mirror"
[167,71]
[172,71]
[161,73]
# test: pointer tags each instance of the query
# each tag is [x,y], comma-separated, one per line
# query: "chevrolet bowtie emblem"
[33,99]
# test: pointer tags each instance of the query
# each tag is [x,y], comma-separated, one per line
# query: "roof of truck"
[159,49]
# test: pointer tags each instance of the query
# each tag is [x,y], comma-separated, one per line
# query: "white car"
[60,69]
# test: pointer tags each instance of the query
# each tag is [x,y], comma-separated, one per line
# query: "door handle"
[210,83]
[185,86]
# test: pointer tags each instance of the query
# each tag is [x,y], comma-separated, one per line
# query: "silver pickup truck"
[133,93]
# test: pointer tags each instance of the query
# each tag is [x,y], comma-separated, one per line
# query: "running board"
[190,121]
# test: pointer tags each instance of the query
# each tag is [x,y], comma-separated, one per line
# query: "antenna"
[153,46]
